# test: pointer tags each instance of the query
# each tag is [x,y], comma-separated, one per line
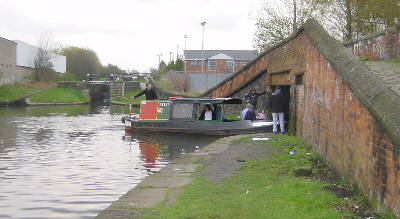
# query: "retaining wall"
[377,46]
[338,106]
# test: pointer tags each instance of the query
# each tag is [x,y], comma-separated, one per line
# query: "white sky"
[130,34]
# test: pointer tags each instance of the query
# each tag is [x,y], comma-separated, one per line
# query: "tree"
[351,19]
[42,61]
[112,69]
[81,61]
[179,64]
[343,19]
[379,14]
[275,24]
[338,17]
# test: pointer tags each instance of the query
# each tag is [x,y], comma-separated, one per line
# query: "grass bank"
[59,95]
[165,85]
[10,92]
[396,60]
[270,188]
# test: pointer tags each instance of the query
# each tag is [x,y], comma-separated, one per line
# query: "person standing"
[277,110]
[148,92]
[253,96]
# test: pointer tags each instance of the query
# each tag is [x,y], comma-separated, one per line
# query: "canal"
[74,161]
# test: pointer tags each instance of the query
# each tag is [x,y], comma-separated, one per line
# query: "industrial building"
[17,61]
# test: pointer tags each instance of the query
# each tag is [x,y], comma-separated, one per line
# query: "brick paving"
[389,73]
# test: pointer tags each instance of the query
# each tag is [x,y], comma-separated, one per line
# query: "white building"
[26,54]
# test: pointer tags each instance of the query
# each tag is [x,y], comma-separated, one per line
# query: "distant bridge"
[99,82]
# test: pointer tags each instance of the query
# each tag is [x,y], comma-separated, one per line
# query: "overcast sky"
[131,33]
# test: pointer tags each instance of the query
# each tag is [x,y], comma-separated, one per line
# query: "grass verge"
[268,188]
[396,60]
[10,92]
[166,85]
[59,95]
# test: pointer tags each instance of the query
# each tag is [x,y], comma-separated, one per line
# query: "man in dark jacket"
[277,110]
[250,115]
[148,92]
[253,96]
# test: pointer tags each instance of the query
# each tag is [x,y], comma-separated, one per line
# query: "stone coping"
[29,103]
[19,99]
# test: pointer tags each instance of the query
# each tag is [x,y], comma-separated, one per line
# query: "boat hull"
[200,127]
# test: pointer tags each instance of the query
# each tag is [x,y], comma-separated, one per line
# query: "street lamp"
[202,49]
[184,55]
[185,41]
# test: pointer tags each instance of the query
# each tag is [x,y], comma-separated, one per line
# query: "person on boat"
[148,92]
[219,114]
[251,114]
[253,96]
[277,102]
[243,114]
[207,114]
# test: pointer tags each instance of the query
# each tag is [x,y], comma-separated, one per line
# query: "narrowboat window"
[182,111]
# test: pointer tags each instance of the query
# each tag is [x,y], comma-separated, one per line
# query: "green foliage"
[107,70]
[10,92]
[378,14]
[232,117]
[273,24]
[179,65]
[365,58]
[396,60]
[81,61]
[343,19]
[59,95]
[30,77]
[67,77]
[164,68]
[165,85]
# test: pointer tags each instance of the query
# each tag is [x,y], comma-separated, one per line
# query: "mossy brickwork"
[339,106]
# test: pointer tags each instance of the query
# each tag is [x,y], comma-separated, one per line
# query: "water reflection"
[157,149]
[73,161]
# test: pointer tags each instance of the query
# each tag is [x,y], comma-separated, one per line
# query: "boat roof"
[210,100]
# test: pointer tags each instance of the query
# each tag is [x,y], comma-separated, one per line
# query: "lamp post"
[202,49]
[185,41]
[159,59]
[184,55]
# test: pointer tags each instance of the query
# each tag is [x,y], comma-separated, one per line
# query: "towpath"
[218,160]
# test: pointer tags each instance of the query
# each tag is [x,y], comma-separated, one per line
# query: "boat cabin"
[184,109]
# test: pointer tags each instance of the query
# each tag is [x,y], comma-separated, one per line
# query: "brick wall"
[379,46]
[330,118]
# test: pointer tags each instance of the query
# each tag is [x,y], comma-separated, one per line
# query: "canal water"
[74,161]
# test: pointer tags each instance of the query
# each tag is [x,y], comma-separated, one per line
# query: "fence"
[202,82]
